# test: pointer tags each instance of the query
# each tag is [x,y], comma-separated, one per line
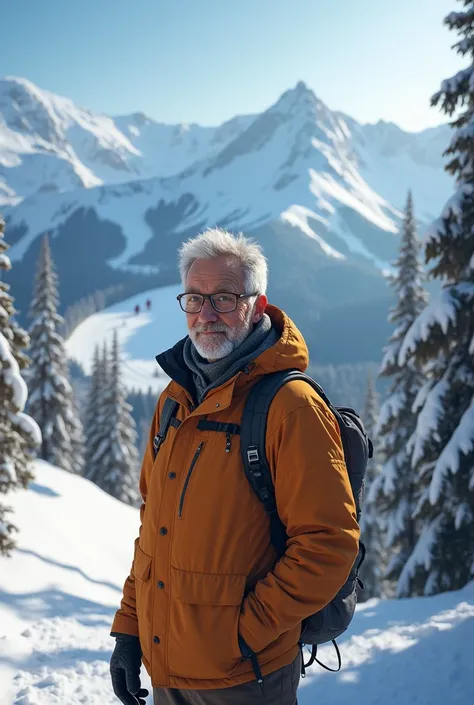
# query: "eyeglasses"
[222,302]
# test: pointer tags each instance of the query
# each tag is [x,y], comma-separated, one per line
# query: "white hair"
[216,242]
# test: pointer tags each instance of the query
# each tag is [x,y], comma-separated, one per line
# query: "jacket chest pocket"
[188,477]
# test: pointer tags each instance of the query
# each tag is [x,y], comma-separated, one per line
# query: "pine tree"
[93,422]
[394,491]
[76,433]
[442,339]
[19,434]
[116,458]
[370,527]
[51,401]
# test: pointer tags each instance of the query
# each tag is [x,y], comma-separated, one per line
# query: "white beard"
[215,347]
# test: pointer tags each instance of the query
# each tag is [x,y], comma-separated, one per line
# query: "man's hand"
[125,670]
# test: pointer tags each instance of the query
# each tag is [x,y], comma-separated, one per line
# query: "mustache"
[210,328]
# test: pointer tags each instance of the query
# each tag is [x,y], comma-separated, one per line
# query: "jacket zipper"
[188,477]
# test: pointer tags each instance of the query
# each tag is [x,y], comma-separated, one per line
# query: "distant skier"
[148,304]
[137,309]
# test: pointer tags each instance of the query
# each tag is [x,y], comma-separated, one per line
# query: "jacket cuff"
[126,637]
[124,624]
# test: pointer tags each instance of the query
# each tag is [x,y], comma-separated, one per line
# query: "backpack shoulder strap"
[252,445]
[166,419]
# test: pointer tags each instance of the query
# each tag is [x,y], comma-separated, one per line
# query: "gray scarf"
[207,375]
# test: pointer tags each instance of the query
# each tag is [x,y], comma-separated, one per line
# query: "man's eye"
[224,298]
[193,298]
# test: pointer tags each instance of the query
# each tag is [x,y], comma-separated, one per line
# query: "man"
[205,590]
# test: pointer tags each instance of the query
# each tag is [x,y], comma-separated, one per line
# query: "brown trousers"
[278,688]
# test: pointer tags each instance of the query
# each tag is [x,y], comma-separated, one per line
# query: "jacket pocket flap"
[207,588]
[141,565]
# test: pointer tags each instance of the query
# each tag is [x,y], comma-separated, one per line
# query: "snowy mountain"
[60,589]
[320,191]
[169,149]
[49,144]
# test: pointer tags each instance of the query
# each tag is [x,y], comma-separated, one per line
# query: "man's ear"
[260,306]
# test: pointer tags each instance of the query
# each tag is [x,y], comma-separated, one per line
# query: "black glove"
[125,666]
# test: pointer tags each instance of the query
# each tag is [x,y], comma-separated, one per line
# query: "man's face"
[216,335]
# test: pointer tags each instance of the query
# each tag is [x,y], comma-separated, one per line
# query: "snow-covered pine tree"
[93,422]
[394,491]
[442,339]
[116,458]
[76,433]
[51,394]
[371,533]
[19,434]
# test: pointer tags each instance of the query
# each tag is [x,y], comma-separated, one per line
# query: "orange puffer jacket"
[204,570]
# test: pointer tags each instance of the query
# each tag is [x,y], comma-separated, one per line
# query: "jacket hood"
[290,351]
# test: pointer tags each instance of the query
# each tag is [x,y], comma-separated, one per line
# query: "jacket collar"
[289,351]
[172,363]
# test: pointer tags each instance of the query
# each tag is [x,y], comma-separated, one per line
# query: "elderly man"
[205,588]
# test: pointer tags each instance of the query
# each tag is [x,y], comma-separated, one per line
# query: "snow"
[420,556]
[298,217]
[421,395]
[463,515]
[60,589]
[428,418]
[440,311]
[11,375]
[391,408]
[391,161]
[454,84]
[397,522]
[462,441]
[28,426]
[390,354]
[141,336]
[5,263]
[454,206]
[387,481]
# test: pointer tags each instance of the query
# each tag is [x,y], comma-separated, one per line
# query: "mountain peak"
[301,87]
[301,92]
[300,102]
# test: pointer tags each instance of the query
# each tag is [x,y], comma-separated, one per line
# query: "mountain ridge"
[298,176]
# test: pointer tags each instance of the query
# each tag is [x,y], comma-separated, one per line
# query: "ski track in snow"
[141,336]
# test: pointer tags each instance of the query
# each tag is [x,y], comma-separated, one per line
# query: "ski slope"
[141,336]
[59,591]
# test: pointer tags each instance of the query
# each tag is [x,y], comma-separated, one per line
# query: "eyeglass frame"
[209,296]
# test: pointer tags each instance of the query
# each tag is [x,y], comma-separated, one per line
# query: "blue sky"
[207,60]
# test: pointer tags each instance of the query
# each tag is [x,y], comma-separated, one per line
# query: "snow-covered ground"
[141,336]
[60,589]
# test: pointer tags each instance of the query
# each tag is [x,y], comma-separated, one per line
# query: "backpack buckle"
[252,455]
[157,441]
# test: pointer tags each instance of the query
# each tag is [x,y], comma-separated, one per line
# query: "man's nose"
[208,313]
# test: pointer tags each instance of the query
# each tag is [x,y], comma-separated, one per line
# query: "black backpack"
[330,622]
